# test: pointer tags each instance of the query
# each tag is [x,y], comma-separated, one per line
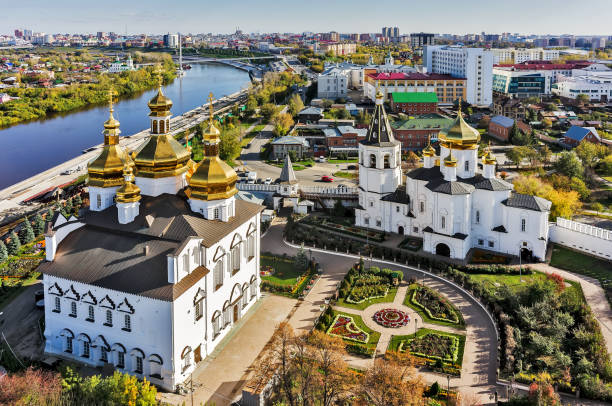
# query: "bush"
[433,390]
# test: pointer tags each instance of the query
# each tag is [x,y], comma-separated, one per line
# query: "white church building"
[454,202]
[158,270]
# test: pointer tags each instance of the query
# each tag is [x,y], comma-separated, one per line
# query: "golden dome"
[106,169]
[213,179]
[129,192]
[450,160]
[460,134]
[161,156]
[160,105]
[488,158]
[428,150]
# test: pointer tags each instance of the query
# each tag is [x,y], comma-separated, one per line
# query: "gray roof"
[291,140]
[398,196]
[461,186]
[361,132]
[528,202]
[287,174]
[311,111]
[504,121]
[379,131]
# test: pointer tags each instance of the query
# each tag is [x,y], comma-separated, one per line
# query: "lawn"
[395,342]
[285,272]
[14,289]
[425,316]
[360,306]
[347,175]
[343,161]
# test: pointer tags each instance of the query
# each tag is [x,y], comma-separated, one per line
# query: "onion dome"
[129,192]
[450,160]
[213,179]
[107,168]
[460,135]
[159,105]
[488,158]
[428,150]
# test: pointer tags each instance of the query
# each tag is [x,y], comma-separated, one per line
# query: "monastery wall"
[582,237]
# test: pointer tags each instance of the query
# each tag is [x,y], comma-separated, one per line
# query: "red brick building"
[344,139]
[501,126]
[575,135]
[414,103]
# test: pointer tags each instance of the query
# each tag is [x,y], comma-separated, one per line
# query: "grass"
[569,260]
[425,316]
[285,273]
[13,290]
[396,340]
[374,335]
[342,161]
[608,178]
[361,306]
[347,175]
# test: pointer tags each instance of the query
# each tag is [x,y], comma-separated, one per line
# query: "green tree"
[547,122]
[14,244]
[229,146]
[343,114]
[268,111]
[295,105]
[68,208]
[545,154]
[579,186]
[515,155]
[50,214]
[301,260]
[515,133]
[326,103]
[250,106]
[39,225]
[292,155]
[597,207]
[3,252]
[569,164]
[338,210]
[26,234]
[590,154]
[282,124]
[583,98]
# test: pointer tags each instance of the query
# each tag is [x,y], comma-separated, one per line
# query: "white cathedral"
[453,203]
[161,266]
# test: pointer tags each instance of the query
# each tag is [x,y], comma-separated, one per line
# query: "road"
[13,196]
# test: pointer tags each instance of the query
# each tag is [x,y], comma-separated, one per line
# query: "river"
[29,148]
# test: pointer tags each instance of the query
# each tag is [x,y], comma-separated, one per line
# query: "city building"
[282,145]
[447,88]
[473,64]
[520,84]
[310,115]
[414,103]
[421,39]
[415,132]
[501,126]
[332,83]
[575,135]
[121,66]
[338,48]
[171,40]
[149,281]
[520,55]
[509,107]
[344,139]
[450,203]
[597,86]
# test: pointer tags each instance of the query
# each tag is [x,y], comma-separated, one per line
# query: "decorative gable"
[236,240]
[107,302]
[218,254]
[125,307]
[251,229]
[201,294]
[55,290]
[73,294]
[89,298]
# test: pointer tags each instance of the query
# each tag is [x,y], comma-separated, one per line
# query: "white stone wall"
[582,237]
[158,186]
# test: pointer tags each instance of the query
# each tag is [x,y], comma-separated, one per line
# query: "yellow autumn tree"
[565,203]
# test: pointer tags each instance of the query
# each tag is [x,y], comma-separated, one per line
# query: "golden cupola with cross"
[106,170]
[460,135]
[161,156]
[212,185]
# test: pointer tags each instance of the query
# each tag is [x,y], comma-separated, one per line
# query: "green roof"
[414,97]
[431,121]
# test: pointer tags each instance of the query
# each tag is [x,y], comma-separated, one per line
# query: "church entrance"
[526,255]
[443,250]
[400,230]
[197,354]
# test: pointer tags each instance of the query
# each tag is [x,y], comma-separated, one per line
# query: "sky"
[202,16]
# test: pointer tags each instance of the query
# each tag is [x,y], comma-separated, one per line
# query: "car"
[326,178]
[40,304]
[351,167]
[268,181]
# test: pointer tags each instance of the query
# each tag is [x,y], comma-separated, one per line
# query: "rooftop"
[423,122]
[414,97]
[411,76]
[504,121]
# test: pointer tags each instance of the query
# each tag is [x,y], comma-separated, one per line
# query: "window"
[236,258]
[467,166]
[523,225]
[103,354]
[85,353]
[422,207]
[477,216]
[378,223]
[199,309]
[251,245]
[480,241]
[216,326]
[99,201]
[90,313]
[186,263]
[120,359]
[195,257]
[138,368]
[443,222]
[366,221]
[253,287]
[216,213]
[491,244]
[218,274]
[154,127]
[73,309]
[68,344]
[372,161]
[109,318]
[161,127]
[371,204]
[386,162]
[415,229]
[227,316]
[127,323]
[397,209]
[58,307]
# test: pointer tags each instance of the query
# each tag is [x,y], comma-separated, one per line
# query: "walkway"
[478,376]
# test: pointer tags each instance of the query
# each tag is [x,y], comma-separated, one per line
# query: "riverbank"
[38,103]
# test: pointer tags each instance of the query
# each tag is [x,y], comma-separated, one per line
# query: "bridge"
[190,58]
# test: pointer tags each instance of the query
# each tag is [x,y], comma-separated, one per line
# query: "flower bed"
[435,306]
[433,346]
[484,257]
[391,318]
[412,244]
[350,230]
[266,270]
[345,327]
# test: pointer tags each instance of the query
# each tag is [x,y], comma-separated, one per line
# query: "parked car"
[351,167]
[326,178]
[268,181]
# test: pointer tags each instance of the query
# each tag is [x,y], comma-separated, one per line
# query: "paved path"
[480,356]
[594,295]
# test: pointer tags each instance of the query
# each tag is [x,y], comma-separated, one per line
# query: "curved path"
[478,376]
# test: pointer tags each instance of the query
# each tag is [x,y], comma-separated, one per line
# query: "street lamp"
[415,325]
[448,386]
[520,263]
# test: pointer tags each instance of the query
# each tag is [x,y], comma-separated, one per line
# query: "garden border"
[426,310]
[335,319]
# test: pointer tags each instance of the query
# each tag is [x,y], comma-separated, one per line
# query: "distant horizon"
[155,17]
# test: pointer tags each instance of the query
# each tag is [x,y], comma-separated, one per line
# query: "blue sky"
[196,16]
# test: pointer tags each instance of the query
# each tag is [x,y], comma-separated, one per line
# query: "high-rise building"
[520,55]
[421,39]
[18,33]
[171,40]
[473,64]
[27,34]
[395,32]
[101,34]
[598,42]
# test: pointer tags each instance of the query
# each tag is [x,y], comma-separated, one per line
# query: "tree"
[343,114]
[339,209]
[26,234]
[295,105]
[569,164]
[292,155]
[68,207]
[326,103]
[50,214]
[250,106]
[334,378]
[77,201]
[583,98]
[545,154]
[301,260]
[39,225]
[565,203]
[282,123]
[412,159]
[590,154]
[547,122]
[364,117]
[13,245]
[268,111]
[229,146]
[597,207]
[514,133]
[578,185]
[3,252]
[515,155]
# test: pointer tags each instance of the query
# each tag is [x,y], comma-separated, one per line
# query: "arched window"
[218,274]
[251,246]
[253,286]
[372,161]
[68,337]
[155,363]
[227,315]
[119,351]
[137,360]
[85,345]
[236,258]
[216,322]
[161,127]
[386,162]
[245,295]
[186,358]
[154,130]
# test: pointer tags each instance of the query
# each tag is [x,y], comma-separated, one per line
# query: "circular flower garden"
[391,318]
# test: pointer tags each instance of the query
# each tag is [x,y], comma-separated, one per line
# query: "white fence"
[318,190]
[257,187]
[582,237]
